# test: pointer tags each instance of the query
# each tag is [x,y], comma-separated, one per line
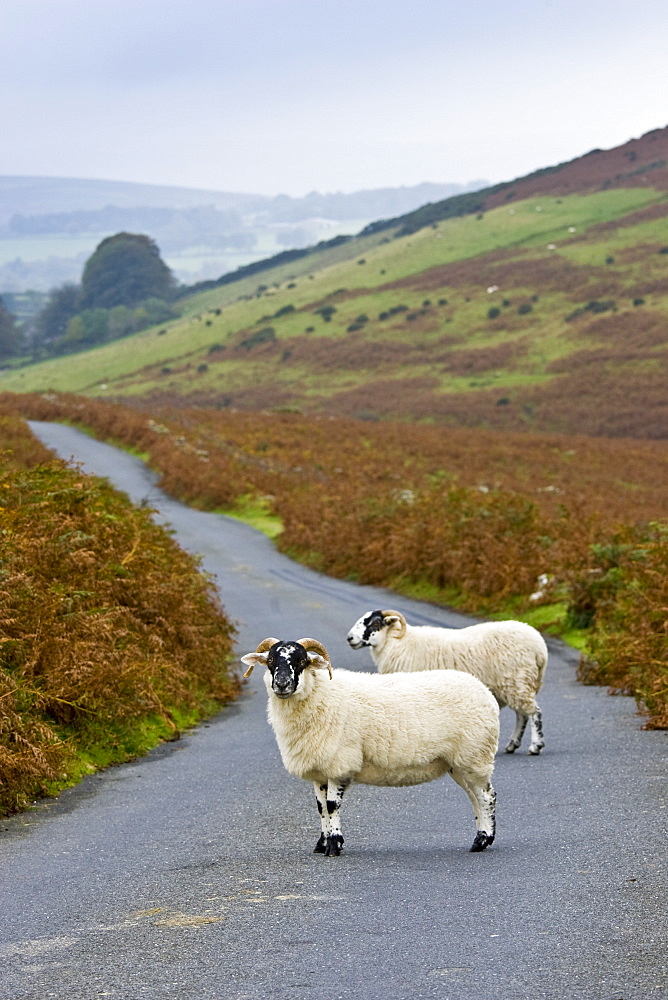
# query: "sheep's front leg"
[537,738]
[321,799]
[329,797]
[486,797]
[518,732]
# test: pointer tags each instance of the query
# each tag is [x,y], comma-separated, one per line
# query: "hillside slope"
[545,310]
[642,161]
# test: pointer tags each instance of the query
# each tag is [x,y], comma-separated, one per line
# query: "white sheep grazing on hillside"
[404,729]
[509,657]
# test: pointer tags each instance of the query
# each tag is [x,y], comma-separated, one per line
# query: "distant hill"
[50,225]
[34,196]
[540,304]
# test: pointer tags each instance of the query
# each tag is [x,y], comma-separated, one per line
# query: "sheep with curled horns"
[401,729]
[510,657]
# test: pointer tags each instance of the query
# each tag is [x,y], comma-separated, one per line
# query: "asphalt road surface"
[189,874]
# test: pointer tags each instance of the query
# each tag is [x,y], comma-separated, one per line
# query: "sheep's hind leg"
[518,732]
[537,738]
[483,800]
[329,797]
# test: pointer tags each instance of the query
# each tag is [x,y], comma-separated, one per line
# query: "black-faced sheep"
[509,657]
[341,727]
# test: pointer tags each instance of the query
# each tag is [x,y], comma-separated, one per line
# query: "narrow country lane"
[189,874]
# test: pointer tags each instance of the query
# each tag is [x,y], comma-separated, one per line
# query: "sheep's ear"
[254,660]
[316,660]
[391,619]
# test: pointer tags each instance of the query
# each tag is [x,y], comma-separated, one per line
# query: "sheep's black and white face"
[286,661]
[367,630]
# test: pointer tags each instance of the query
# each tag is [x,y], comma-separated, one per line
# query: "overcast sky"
[290,96]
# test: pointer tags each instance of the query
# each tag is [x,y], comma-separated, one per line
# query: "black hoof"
[482,840]
[511,747]
[334,845]
[320,846]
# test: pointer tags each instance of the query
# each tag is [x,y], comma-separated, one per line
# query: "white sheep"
[403,729]
[509,657]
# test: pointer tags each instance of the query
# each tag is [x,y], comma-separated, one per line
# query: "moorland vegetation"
[111,637]
[566,532]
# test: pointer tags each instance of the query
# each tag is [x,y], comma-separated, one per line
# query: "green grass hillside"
[547,312]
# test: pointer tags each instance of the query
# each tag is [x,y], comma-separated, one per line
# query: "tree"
[87,328]
[124,270]
[61,306]
[11,338]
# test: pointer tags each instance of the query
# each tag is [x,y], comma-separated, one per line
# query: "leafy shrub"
[493,312]
[631,631]
[596,584]
[326,312]
[592,307]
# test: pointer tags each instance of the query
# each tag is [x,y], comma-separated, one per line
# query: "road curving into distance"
[190,873]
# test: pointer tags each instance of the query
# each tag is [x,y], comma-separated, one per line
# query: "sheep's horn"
[317,647]
[266,645]
[396,614]
[262,648]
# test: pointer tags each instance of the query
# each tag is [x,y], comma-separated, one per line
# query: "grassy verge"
[256,511]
